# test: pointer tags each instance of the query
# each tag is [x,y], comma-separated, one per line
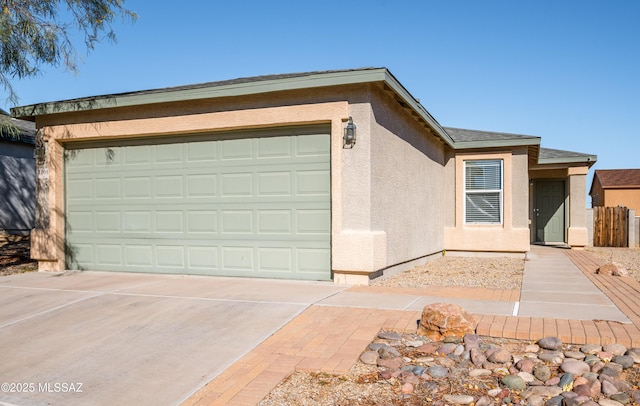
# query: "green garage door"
[254,205]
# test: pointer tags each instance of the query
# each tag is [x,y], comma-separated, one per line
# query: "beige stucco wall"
[510,236]
[622,197]
[377,221]
[407,181]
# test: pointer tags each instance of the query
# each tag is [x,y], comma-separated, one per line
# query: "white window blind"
[483,191]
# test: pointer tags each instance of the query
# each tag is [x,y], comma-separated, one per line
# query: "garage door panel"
[238,207]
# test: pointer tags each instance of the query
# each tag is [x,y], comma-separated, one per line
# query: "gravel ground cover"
[481,371]
[486,272]
[15,258]
[627,257]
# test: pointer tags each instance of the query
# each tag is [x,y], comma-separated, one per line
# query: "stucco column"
[577,233]
[357,250]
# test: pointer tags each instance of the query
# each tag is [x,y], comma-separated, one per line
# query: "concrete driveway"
[111,338]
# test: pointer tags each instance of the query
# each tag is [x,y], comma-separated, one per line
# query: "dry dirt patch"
[627,257]
[485,272]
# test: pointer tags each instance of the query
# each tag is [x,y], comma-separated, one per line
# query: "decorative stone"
[494,392]
[390,363]
[411,378]
[605,356]
[542,372]
[500,356]
[430,386]
[369,357]
[525,365]
[445,319]
[575,367]
[418,370]
[533,348]
[472,341]
[390,336]
[609,402]
[459,399]
[414,343]
[527,377]
[552,381]
[621,397]
[615,348]
[486,401]
[459,350]
[535,400]
[625,360]
[635,354]
[474,373]
[514,382]
[582,390]
[555,358]
[611,369]
[376,346]
[574,354]
[388,352]
[545,391]
[566,382]
[407,388]
[437,371]
[428,348]
[550,343]
[608,388]
[591,349]
[477,357]
[555,401]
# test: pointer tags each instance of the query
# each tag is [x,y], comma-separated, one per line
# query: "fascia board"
[590,159]
[497,143]
[176,95]
[406,97]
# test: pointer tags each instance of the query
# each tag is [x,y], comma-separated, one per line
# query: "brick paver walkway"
[331,339]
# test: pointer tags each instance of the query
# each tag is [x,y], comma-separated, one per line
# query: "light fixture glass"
[350,134]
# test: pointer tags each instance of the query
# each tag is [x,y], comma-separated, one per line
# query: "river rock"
[555,358]
[445,319]
[500,356]
[625,360]
[514,382]
[542,372]
[369,357]
[437,371]
[609,402]
[550,343]
[575,367]
[459,399]
[615,348]
[390,336]
[591,348]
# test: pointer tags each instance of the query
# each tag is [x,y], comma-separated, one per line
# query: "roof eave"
[313,80]
[590,160]
[497,143]
[180,94]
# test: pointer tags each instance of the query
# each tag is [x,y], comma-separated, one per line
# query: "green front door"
[549,211]
[250,205]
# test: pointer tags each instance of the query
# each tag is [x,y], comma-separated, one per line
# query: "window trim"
[499,191]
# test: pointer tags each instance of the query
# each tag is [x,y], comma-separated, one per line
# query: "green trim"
[590,159]
[497,143]
[202,92]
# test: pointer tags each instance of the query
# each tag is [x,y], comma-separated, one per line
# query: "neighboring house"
[259,177]
[616,187]
[17,176]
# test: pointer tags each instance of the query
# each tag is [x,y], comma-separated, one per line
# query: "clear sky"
[565,70]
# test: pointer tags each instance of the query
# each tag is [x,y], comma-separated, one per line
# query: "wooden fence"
[611,226]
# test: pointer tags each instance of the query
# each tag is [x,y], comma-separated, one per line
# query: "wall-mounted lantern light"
[349,137]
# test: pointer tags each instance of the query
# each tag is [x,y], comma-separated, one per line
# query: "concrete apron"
[156,339]
[113,338]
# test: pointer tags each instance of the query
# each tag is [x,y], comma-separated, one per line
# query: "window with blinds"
[483,191]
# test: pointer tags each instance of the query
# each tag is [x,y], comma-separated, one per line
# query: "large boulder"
[444,320]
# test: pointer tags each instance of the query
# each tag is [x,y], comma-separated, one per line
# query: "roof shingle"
[611,178]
